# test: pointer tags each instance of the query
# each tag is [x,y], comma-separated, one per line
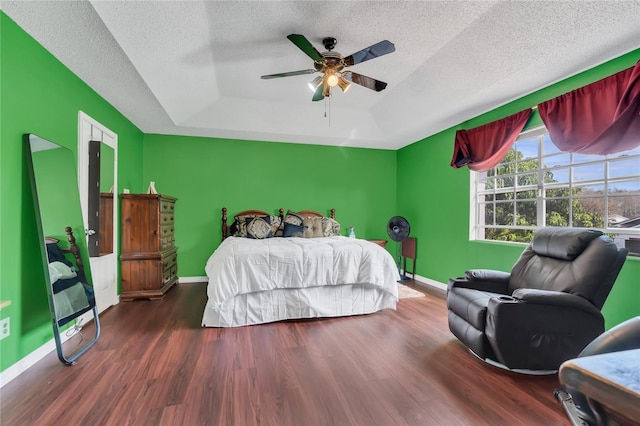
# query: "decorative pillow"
[276,226]
[312,227]
[239,226]
[293,218]
[330,227]
[55,254]
[58,270]
[258,227]
[291,230]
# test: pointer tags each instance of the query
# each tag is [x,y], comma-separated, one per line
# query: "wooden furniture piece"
[381,243]
[149,255]
[105,233]
[307,213]
[226,228]
[312,280]
[73,247]
[409,251]
[65,303]
[610,382]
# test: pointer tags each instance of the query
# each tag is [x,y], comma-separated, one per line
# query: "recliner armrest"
[483,280]
[554,298]
[487,275]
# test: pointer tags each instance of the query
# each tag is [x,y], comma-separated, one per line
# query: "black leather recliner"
[547,309]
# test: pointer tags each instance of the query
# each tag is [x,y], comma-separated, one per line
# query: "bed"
[292,266]
[72,296]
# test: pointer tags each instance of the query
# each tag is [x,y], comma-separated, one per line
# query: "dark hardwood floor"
[155,365]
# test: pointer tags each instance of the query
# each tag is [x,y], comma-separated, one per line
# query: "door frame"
[97,131]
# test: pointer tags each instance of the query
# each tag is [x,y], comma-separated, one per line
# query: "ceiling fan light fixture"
[313,84]
[331,65]
[332,79]
[343,84]
[326,91]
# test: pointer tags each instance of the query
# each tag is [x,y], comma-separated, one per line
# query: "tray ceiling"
[194,67]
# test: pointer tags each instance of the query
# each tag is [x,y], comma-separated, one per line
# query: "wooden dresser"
[149,255]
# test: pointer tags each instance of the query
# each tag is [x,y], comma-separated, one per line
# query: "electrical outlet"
[4,328]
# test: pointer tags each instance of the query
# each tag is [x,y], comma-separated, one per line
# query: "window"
[538,185]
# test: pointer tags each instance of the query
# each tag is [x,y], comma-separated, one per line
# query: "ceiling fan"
[332,66]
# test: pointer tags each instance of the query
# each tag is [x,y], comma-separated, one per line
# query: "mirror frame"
[68,359]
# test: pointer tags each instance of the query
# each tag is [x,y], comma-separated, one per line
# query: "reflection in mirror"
[106,199]
[52,172]
[100,199]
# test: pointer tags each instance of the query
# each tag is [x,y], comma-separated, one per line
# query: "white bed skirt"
[311,302]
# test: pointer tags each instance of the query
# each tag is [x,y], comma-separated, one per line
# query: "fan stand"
[403,277]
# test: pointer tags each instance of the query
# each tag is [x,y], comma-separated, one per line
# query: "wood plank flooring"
[155,365]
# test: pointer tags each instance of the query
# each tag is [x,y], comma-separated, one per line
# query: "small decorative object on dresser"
[149,255]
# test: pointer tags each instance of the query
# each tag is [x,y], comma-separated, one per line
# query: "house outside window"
[538,185]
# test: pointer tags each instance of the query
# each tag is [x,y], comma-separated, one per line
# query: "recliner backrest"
[572,260]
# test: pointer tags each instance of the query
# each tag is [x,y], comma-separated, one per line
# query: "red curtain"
[484,147]
[601,118]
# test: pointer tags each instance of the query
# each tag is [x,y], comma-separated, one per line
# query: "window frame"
[477,219]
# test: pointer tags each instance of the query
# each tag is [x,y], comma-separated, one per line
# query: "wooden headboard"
[73,247]
[311,213]
[225,227]
[307,213]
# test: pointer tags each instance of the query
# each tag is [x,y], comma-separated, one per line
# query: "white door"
[104,267]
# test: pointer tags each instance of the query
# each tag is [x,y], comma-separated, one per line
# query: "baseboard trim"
[188,280]
[431,284]
[31,359]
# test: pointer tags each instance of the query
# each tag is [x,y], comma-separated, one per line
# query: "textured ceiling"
[194,67]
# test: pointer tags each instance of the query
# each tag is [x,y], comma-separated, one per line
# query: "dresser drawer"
[167,242]
[170,261]
[170,274]
[167,237]
[170,267]
[166,218]
[167,206]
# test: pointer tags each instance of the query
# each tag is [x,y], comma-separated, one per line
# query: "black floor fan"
[398,229]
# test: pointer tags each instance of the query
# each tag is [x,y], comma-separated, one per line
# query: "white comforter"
[242,266]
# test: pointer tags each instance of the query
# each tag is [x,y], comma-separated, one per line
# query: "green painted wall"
[40,95]
[366,187]
[435,199]
[207,174]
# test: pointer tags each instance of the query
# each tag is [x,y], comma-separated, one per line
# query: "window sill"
[500,243]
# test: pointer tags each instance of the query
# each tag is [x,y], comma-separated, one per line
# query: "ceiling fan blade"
[318,95]
[306,46]
[287,74]
[382,48]
[368,82]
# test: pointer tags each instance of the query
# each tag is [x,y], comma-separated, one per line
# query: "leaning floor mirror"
[54,185]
